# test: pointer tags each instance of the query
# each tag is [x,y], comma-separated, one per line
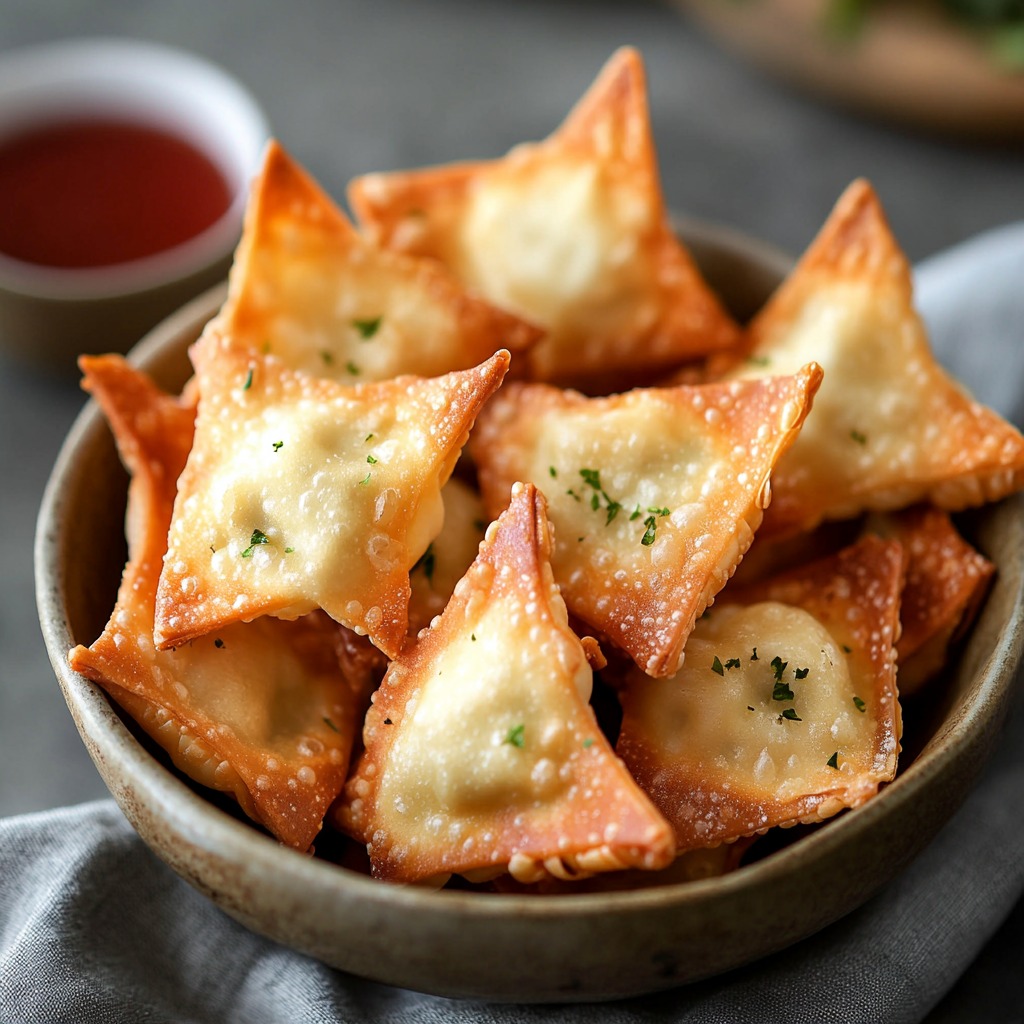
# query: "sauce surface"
[92,193]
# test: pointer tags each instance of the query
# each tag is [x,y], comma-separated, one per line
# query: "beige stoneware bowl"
[515,948]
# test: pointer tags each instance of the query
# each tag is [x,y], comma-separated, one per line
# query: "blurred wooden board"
[909,62]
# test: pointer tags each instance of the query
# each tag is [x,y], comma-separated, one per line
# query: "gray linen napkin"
[94,928]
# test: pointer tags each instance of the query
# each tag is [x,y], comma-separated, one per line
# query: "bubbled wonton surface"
[561,638]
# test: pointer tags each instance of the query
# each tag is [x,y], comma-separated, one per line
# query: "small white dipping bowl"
[50,314]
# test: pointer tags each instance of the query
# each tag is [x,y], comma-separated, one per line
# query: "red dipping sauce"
[91,193]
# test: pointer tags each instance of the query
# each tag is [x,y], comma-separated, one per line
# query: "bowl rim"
[233,842]
[145,83]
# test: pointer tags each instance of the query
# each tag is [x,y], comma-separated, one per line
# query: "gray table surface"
[351,87]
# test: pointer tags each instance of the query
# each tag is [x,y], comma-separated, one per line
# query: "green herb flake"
[218,643]
[847,650]
[371,460]
[790,716]
[426,562]
[258,537]
[857,436]
[588,742]
[573,494]
[365,480]
[352,368]
[779,666]
[660,511]
[327,357]
[595,502]
[278,445]
[288,551]
[800,673]
[716,666]
[248,380]
[833,761]
[369,437]
[635,514]
[330,724]
[753,656]
[367,328]
[758,361]
[472,636]
[553,472]
[782,692]
[749,708]
[650,533]
[733,663]
[859,705]
[515,736]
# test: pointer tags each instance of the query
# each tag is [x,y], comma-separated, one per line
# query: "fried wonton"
[890,426]
[449,555]
[570,233]
[482,752]
[260,711]
[302,493]
[654,494]
[945,584]
[308,288]
[786,708]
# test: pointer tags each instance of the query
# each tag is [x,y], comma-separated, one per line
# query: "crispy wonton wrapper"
[259,711]
[482,752]
[570,233]
[786,709]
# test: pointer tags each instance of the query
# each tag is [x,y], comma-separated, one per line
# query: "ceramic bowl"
[584,946]
[50,314]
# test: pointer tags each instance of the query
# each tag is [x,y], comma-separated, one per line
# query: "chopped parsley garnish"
[288,551]
[659,511]
[749,708]
[592,478]
[859,437]
[515,736]
[790,716]
[248,380]
[367,328]
[716,666]
[365,480]
[847,650]
[329,723]
[758,360]
[779,666]
[387,721]
[800,673]
[352,368]
[588,742]
[218,643]
[573,494]
[833,761]
[753,657]
[472,636]
[782,692]
[733,663]
[258,537]
[327,357]
[650,533]
[426,562]
[369,437]
[278,445]
[552,471]
[371,460]
[859,704]
[635,514]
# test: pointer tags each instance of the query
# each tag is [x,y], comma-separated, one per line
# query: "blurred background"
[351,87]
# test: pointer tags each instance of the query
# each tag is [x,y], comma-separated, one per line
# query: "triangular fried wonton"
[302,493]
[308,288]
[946,582]
[570,233]
[482,753]
[260,711]
[890,426]
[654,494]
[785,710]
